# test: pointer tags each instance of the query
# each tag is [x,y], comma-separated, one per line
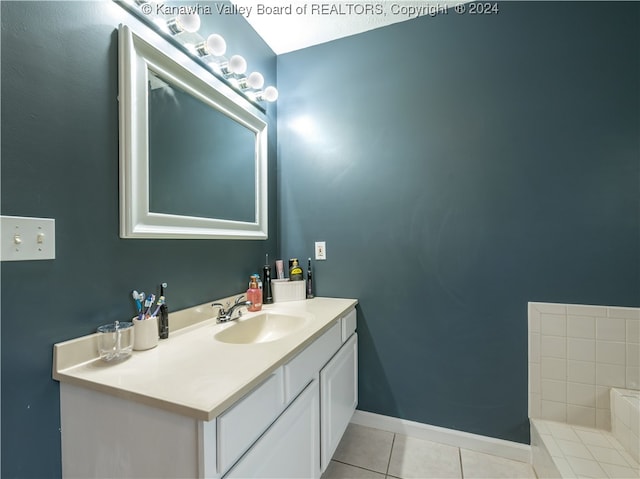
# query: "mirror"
[193,153]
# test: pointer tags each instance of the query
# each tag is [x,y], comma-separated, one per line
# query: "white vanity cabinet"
[288,426]
[338,397]
[303,439]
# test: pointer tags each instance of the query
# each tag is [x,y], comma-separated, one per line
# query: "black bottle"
[267,294]
[309,281]
[163,319]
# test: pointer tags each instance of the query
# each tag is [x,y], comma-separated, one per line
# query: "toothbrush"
[136,297]
[159,304]
[148,303]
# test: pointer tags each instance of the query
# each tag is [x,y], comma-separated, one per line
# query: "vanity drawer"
[240,426]
[301,370]
[348,324]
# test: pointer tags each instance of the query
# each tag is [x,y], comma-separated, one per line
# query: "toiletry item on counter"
[256,276]
[163,318]
[309,280]
[115,341]
[295,271]
[279,269]
[254,294]
[267,294]
[145,333]
[159,315]
[285,290]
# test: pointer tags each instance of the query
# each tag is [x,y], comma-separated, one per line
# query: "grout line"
[393,441]
[357,467]
[460,462]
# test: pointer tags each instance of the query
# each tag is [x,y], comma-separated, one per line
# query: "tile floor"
[374,454]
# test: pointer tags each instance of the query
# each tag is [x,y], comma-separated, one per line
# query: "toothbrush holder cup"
[146,333]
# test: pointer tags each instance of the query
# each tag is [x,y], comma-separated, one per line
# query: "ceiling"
[292,25]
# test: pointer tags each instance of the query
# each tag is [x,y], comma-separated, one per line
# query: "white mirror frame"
[135,56]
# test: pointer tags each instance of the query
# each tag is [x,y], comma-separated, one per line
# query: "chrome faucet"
[227,315]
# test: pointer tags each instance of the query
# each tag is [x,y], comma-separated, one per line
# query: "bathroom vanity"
[269,395]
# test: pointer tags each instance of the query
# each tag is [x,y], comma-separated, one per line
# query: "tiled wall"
[576,354]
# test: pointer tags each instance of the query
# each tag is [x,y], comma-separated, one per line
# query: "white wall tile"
[603,419]
[626,313]
[581,327]
[552,308]
[553,346]
[534,405]
[602,397]
[610,352]
[632,377]
[534,347]
[553,324]
[586,310]
[633,331]
[581,372]
[581,349]
[533,318]
[581,416]
[534,378]
[576,354]
[610,375]
[608,329]
[553,390]
[582,395]
[553,368]
[554,411]
[633,354]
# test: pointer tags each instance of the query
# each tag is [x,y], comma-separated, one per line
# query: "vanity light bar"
[214,48]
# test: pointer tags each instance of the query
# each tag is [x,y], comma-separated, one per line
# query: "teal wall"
[60,160]
[459,167]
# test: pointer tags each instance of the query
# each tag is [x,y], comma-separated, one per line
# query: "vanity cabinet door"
[338,397]
[290,447]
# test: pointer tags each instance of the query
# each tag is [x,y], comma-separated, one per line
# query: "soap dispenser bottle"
[254,294]
[295,271]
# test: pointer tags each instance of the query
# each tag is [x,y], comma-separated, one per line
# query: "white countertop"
[191,373]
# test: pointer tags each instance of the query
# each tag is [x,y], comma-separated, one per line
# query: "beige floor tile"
[365,447]
[620,472]
[477,465]
[338,470]
[413,458]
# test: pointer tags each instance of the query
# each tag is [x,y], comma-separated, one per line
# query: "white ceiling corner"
[292,25]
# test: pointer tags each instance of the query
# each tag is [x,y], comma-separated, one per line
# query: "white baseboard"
[466,440]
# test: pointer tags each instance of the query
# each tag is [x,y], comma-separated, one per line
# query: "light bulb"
[237,64]
[190,22]
[185,22]
[216,45]
[255,80]
[270,93]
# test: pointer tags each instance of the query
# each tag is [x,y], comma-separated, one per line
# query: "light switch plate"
[24,239]
[321,250]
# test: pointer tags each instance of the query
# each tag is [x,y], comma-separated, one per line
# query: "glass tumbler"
[115,340]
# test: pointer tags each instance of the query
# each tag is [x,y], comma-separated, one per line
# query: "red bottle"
[254,294]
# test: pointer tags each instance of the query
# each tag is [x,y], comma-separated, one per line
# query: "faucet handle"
[239,298]
[221,311]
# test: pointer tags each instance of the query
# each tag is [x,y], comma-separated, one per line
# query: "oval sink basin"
[263,328]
